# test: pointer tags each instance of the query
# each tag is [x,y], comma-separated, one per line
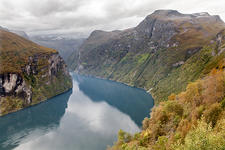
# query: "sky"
[81,17]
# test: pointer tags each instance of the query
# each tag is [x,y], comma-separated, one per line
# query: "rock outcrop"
[13,84]
[29,73]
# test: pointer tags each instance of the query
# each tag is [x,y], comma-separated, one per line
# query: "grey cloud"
[51,7]
[83,16]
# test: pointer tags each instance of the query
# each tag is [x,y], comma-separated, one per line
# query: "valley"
[159,85]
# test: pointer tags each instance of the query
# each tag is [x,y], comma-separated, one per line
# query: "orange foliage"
[181,112]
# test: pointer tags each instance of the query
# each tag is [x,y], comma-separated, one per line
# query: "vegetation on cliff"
[191,120]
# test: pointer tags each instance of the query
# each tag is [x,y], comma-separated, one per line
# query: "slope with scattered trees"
[191,120]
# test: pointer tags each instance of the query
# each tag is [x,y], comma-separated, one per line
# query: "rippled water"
[87,117]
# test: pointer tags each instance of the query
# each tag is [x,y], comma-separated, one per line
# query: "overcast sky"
[84,16]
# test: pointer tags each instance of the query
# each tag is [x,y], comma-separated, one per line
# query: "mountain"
[165,52]
[29,73]
[65,45]
[2,28]
[194,118]
[20,33]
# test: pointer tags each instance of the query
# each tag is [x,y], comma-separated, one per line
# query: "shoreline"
[85,75]
[102,78]
[33,105]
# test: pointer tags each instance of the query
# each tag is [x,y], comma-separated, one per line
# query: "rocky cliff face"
[29,73]
[154,54]
[13,84]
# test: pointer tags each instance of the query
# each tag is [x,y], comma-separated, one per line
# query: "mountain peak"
[206,14]
[165,12]
[174,14]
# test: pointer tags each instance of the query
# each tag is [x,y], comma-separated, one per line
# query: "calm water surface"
[85,118]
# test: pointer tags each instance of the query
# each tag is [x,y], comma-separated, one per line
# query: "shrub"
[173,107]
[161,143]
[212,113]
[145,123]
[203,137]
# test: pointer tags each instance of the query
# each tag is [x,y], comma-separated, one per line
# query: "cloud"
[76,16]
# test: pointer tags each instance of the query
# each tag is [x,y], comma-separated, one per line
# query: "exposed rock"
[13,84]
[178,63]
[56,64]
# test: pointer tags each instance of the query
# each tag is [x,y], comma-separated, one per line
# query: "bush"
[124,137]
[161,143]
[203,137]
[212,113]
[173,107]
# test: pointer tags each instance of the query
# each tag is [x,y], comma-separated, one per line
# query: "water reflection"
[45,116]
[132,101]
[86,125]
[86,118]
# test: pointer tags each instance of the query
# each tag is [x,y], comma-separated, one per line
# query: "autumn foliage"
[191,120]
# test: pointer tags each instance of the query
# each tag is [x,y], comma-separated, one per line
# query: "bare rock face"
[158,29]
[13,84]
[56,64]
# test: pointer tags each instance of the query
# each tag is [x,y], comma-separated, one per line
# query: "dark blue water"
[85,118]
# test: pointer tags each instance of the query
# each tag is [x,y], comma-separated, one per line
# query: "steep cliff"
[29,73]
[162,54]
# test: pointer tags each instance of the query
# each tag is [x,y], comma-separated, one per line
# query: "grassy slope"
[191,120]
[15,51]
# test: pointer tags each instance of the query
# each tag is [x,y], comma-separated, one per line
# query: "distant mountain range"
[64,45]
